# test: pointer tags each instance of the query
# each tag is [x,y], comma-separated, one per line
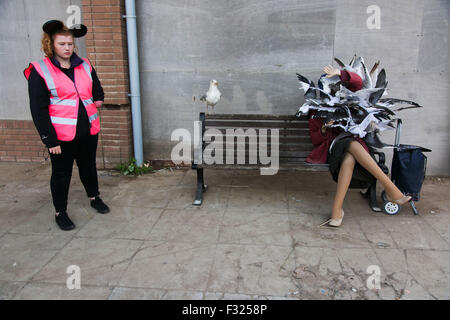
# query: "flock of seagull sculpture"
[363,112]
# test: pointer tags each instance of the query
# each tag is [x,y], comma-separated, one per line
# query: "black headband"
[53,26]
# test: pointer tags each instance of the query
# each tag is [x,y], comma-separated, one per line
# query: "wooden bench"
[294,145]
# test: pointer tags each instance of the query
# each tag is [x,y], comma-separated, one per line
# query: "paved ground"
[255,237]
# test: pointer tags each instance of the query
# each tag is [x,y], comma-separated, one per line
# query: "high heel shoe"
[334,222]
[400,201]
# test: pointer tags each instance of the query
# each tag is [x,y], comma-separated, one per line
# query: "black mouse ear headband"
[53,26]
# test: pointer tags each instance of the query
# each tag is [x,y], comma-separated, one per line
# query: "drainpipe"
[133,62]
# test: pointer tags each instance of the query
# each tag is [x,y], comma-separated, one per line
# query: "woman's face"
[63,46]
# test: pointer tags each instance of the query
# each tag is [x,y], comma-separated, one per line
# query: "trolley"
[407,172]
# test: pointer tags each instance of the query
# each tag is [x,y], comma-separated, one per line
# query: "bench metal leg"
[371,194]
[373,203]
[201,187]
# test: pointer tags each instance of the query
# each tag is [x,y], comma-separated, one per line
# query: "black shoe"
[99,205]
[63,221]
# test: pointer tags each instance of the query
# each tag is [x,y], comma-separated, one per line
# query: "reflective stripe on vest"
[48,79]
[88,69]
[93,117]
[57,120]
[67,102]
[88,101]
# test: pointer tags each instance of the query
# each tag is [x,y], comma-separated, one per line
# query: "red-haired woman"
[348,158]
[65,93]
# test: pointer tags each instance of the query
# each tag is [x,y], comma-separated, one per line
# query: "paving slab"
[239,296]
[22,256]
[306,231]
[170,265]
[47,291]
[43,220]
[248,227]
[190,226]
[101,261]
[122,293]
[147,197]
[11,216]
[440,223]
[325,273]
[315,202]
[9,289]
[122,223]
[397,281]
[252,270]
[431,269]
[258,199]
[376,232]
[415,233]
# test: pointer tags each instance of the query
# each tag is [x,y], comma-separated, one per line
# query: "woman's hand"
[331,71]
[325,126]
[55,150]
[98,103]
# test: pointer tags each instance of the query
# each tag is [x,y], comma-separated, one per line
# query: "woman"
[65,93]
[348,156]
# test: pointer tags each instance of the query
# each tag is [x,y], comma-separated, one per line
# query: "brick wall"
[106,48]
[19,141]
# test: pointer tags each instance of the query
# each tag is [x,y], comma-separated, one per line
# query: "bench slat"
[281,139]
[281,146]
[301,132]
[283,166]
[253,117]
[257,124]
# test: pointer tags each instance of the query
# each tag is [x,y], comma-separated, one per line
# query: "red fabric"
[351,80]
[322,142]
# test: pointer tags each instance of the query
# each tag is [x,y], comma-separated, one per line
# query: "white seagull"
[212,96]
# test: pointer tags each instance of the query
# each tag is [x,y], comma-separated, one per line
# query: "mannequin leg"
[344,178]
[365,160]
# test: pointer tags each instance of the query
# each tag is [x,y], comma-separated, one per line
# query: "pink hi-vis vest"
[65,96]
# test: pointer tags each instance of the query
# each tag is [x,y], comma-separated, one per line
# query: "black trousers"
[83,151]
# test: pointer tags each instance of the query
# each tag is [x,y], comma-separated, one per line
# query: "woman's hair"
[47,40]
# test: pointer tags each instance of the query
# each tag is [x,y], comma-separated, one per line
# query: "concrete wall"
[20,42]
[254,48]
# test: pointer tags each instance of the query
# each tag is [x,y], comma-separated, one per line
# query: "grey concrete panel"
[397,52]
[20,42]
[434,45]
[400,16]
[428,127]
[235,35]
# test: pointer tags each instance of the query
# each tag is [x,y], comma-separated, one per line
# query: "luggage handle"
[397,132]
